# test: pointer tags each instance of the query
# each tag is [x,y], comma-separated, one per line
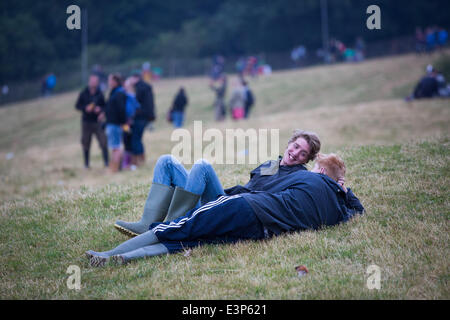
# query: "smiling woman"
[175,190]
[302,147]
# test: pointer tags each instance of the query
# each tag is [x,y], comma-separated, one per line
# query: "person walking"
[91,103]
[179,104]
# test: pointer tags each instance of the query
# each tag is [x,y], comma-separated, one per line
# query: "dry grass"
[397,156]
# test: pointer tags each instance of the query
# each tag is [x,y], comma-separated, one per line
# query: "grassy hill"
[397,157]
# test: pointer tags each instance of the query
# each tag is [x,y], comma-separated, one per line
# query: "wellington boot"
[155,209]
[182,202]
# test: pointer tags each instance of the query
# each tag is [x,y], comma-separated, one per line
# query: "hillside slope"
[397,155]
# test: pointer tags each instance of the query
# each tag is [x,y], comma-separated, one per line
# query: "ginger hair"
[333,164]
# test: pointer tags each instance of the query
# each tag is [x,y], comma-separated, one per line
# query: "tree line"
[34,38]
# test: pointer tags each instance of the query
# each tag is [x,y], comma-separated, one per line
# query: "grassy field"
[397,157]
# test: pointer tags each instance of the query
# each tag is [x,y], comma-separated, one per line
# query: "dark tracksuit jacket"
[115,110]
[84,99]
[307,200]
[266,177]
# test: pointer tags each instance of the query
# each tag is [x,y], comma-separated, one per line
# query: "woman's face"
[297,152]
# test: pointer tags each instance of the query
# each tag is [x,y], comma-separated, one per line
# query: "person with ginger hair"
[331,165]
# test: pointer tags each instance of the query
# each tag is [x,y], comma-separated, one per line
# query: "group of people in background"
[117,123]
[241,101]
[338,51]
[430,39]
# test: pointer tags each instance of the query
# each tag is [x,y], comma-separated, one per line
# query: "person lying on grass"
[307,200]
[175,191]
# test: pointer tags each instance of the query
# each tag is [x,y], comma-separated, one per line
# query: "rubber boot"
[182,202]
[155,209]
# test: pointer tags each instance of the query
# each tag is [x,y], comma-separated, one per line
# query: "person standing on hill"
[132,106]
[219,104]
[145,114]
[91,103]
[237,101]
[249,98]
[116,117]
[179,104]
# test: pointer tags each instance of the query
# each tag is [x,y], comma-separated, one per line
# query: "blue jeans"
[137,131]
[201,179]
[178,119]
[114,134]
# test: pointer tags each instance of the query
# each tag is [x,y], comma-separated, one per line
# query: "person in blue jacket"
[175,190]
[116,118]
[306,200]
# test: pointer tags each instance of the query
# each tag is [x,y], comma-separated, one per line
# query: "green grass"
[397,158]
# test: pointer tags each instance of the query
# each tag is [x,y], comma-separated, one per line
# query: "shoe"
[97,261]
[155,209]
[182,202]
[118,260]
[89,254]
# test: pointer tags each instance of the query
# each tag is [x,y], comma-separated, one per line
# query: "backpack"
[238,113]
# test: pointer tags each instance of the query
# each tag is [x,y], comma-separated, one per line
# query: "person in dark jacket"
[174,190]
[306,200]
[179,104]
[116,118]
[145,114]
[427,87]
[249,98]
[91,103]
